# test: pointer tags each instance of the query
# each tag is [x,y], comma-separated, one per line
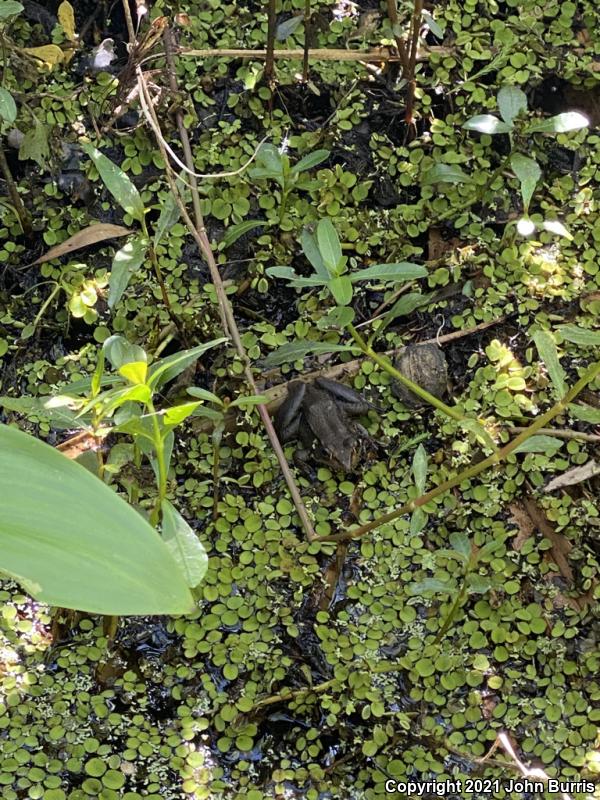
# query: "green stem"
[476,469]
[160,462]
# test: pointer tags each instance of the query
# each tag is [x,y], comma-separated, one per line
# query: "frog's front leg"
[287,418]
[348,399]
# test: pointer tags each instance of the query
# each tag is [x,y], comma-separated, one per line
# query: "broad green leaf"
[297,350]
[431,586]
[204,394]
[433,26]
[8,107]
[177,414]
[546,347]
[554,226]
[164,370]
[269,157]
[311,160]
[249,400]
[577,335]
[511,101]
[329,246]
[234,232]
[461,544]
[35,145]
[134,371]
[119,351]
[341,289]
[9,8]
[117,183]
[98,374]
[585,413]
[208,413]
[310,248]
[404,271]
[419,469]
[445,173]
[561,123]
[289,274]
[286,28]
[528,173]
[75,542]
[60,410]
[539,444]
[407,304]
[418,520]
[170,212]
[487,123]
[338,317]
[186,548]
[126,261]
[478,584]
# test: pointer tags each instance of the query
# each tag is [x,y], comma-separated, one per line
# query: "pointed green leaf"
[234,232]
[341,289]
[528,173]
[329,246]
[487,123]
[585,413]
[539,444]
[126,261]
[170,212]
[175,415]
[546,347]
[204,394]
[134,371]
[164,370]
[119,351]
[445,173]
[404,271]
[8,107]
[76,543]
[117,183]
[310,247]
[554,226]
[461,544]
[297,350]
[511,101]
[310,160]
[561,123]
[186,549]
[419,469]
[577,335]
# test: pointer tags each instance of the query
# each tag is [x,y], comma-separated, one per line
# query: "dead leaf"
[90,235]
[529,517]
[79,443]
[50,54]
[573,476]
[66,17]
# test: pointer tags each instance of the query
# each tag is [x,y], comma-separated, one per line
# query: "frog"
[425,365]
[319,413]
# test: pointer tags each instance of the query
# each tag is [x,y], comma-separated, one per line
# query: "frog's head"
[345,454]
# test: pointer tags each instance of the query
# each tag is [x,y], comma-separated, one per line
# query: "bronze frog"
[319,415]
[425,365]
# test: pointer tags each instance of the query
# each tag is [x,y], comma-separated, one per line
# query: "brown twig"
[562,433]
[198,231]
[320,54]
[392,10]
[270,60]
[13,193]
